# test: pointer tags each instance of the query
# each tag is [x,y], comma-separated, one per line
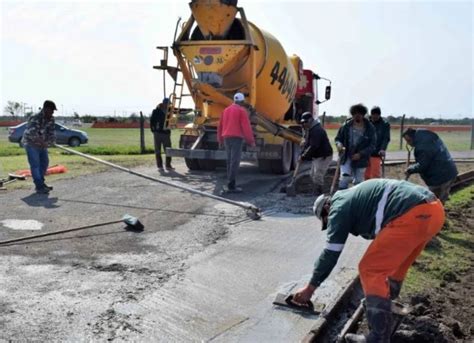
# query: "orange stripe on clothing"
[397,246]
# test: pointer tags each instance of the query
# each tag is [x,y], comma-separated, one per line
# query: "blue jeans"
[38,160]
[348,174]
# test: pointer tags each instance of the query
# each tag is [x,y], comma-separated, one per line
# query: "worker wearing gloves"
[355,142]
[38,136]
[316,149]
[400,217]
[433,161]
[234,127]
[382,131]
[161,135]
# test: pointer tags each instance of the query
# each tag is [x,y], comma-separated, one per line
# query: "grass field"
[123,146]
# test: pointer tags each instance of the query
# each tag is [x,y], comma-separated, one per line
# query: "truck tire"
[265,166]
[283,165]
[192,164]
[209,165]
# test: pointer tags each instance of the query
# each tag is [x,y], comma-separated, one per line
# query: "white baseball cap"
[239,97]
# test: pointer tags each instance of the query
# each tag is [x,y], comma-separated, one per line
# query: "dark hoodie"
[433,160]
[365,147]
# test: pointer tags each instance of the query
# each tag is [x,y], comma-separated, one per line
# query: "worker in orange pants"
[400,217]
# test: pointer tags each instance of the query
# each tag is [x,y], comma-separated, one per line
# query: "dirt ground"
[446,313]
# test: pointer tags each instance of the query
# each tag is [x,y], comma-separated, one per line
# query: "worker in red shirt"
[234,127]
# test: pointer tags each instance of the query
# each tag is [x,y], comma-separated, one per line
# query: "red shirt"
[235,123]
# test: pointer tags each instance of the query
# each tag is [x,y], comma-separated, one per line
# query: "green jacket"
[433,160]
[364,210]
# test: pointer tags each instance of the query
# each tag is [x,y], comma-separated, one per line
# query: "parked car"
[64,135]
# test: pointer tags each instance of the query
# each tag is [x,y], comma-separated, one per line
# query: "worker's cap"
[306,117]
[49,104]
[318,207]
[166,101]
[239,97]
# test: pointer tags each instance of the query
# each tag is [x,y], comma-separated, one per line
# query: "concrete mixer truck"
[219,53]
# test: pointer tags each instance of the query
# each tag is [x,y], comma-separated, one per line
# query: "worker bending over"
[355,142]
[382,133]
[433,161]
[316,149]
[400,217]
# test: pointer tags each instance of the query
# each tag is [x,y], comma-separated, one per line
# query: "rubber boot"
[395,288]
[379,317]
[168,163]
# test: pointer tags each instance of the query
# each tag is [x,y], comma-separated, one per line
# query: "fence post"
[402,124]
[142,133]
[472,134]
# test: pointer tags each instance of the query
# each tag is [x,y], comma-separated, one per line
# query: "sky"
[96,57]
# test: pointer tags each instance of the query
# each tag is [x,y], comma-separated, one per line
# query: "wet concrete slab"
[227,293]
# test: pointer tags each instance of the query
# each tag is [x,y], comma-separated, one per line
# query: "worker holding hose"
[400,217]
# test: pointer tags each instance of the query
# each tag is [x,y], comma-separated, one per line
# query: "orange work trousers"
[397,246]
[374,169]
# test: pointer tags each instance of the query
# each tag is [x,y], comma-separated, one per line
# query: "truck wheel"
[265,166]
[283,165]
[207,164]
[192,164]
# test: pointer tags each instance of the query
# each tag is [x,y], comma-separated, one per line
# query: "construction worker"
[38,136]
[316,149]
[433,161]
[400,217]
[355,142]
[161,135]
[382,131]
[234,127]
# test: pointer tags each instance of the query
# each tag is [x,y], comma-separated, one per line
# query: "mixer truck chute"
[219,54]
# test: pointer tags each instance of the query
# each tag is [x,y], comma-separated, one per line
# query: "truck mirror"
[328,92]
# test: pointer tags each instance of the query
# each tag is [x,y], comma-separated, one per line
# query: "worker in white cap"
[234,127]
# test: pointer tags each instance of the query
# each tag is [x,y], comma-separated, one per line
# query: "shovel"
[408,160]
[336,173]
[12,178]
[291,187]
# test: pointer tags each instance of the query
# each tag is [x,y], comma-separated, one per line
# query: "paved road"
[199,271]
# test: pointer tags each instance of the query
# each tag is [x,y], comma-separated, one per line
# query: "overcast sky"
[96,57]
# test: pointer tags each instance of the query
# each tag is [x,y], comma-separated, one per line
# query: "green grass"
[455,141]
[452,252]
[121,146]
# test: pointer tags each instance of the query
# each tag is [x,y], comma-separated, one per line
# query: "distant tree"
[134,117]
[14,108]
[87,118]
[76,115]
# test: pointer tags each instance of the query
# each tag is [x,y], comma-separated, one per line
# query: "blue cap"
[166,100]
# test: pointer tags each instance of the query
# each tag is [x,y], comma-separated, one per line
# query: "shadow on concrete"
[41,200]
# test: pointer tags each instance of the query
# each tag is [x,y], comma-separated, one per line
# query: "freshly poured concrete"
[227,293]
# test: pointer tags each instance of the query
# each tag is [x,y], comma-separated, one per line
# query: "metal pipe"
[255,210]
